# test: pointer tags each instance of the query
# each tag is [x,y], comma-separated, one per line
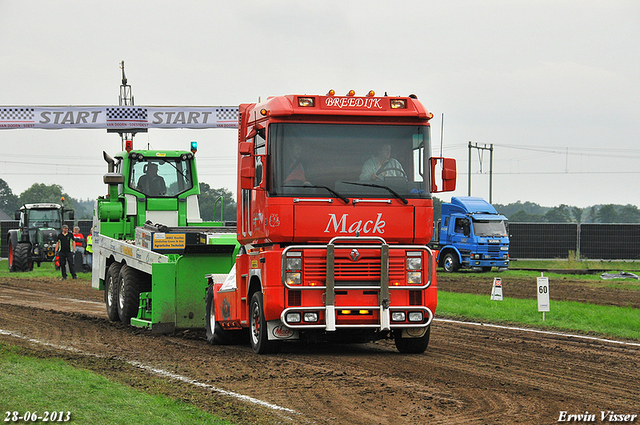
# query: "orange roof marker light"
[351,93]
[371,93]
[264,112]
[331,92]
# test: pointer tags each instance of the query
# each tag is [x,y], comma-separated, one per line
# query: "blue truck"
[471,234]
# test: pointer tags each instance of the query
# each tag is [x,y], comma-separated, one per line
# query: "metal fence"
[587,241]
[527,240]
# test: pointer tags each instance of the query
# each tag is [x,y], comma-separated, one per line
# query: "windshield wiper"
[333,192]
[393,192]
[182,173]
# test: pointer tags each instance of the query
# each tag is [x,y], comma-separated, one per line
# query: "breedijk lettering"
[353,102]
[359,226]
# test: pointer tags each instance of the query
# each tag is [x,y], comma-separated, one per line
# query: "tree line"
[211,207]
[530,212]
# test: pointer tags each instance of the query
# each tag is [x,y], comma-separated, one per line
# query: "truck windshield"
[44,218]
[352,160]
[165,178]
[489,228]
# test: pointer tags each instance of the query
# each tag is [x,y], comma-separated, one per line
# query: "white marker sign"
[543,294]
[496,291]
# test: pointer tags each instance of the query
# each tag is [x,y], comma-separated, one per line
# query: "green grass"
[55,386]
[572,264]
[45,269]
[615,322]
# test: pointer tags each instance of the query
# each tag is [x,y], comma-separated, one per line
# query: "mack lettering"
[358,226]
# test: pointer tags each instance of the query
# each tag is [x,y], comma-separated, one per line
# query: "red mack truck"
[334,216]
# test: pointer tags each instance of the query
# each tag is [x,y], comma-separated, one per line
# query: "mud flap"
[278,331]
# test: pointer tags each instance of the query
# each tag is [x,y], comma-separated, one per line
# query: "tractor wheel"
[129,288]
[450,262]
[412,345]
[215,333]
[21,261]
[259,337]
[111,291]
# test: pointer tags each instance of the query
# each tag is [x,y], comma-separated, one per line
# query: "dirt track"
[470,374]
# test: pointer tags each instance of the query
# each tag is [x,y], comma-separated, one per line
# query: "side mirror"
[245,148]
[71,214]
[247,172]
[16,215]
[443,170]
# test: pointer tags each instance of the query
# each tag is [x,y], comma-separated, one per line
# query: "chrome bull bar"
[330,287]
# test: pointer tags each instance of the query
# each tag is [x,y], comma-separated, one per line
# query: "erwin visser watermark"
[602,416]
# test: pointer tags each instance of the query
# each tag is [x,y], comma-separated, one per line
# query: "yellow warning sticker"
[169,240]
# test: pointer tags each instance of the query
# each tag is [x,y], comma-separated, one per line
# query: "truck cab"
[472,235]
[334,214]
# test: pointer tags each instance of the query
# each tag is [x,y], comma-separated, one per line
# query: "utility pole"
[480,150]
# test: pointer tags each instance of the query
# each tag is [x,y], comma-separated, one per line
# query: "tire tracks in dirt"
[469,374]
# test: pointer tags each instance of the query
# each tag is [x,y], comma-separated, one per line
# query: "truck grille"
[493,249]
[346,270]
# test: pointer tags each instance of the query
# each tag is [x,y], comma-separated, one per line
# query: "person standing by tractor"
[88,251]
[66,252]
[78,256]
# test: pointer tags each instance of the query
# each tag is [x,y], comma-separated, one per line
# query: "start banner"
[118,118]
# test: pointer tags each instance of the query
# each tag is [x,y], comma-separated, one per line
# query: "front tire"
[450,262]
[111,291]
[413,345]
[21,261]
[129,288]
[259,337]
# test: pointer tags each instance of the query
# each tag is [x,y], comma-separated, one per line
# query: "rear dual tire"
[111,291]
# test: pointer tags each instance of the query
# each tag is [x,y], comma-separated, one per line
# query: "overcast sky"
[553,85]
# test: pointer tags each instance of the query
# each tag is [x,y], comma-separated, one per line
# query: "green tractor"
[35,240]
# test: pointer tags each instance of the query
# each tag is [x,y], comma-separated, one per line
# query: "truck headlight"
[415,316]
[294,263]
[311,316]
[414,278]
[398,316]
[414,263]
[293,278]
[293,317]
